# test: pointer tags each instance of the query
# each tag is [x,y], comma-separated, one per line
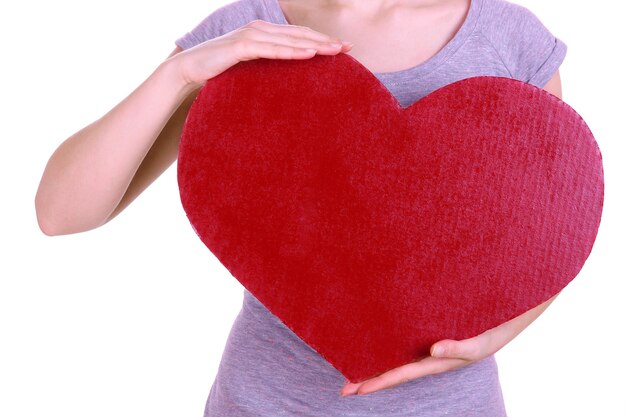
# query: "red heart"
[373,231]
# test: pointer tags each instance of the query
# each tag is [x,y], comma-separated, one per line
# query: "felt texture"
[373,230]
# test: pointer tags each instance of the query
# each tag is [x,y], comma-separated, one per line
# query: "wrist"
[172,70]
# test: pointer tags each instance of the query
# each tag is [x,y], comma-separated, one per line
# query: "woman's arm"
[446,355]
[95,173]
[89,174]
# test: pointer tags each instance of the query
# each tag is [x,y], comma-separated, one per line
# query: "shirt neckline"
[467,27]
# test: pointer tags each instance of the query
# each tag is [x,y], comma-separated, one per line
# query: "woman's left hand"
[447,355]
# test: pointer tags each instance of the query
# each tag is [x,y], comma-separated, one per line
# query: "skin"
[98,171]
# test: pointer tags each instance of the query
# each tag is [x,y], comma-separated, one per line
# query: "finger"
[321,46]
[468,349]
[278,51]
[255,50]
[351,388]
[292,30]
[408,372]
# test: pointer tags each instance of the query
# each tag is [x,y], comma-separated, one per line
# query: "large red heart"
[373,231]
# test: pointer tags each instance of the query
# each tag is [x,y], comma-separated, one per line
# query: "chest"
[391,39]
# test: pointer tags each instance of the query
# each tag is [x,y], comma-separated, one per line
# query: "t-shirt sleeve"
[222,20]
[529,50]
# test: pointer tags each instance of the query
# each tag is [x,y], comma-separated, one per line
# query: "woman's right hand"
[256,39]
[99,170]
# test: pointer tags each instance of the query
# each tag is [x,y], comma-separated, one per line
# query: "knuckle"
[243,46]
[256,23]
[304,28]
[297,41]
[246,31]
[451,351]
[276,50]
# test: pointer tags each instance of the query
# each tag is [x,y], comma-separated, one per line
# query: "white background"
[130,320]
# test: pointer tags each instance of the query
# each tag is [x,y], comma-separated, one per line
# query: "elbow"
[45,221]
[52,224]
[47,230]
[51,221]
[56,217]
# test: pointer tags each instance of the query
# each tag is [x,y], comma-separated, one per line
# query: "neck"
[372,7]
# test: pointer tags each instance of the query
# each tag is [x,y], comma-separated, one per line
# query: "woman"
[413,47]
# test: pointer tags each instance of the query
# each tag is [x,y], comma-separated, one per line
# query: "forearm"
[88,174]
[506,332]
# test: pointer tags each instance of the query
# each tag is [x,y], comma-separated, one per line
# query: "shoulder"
[235,14]
[223,20]
[506,24]
[526,46]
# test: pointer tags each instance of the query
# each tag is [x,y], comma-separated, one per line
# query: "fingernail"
[350,44]
[348,390]
[437,351]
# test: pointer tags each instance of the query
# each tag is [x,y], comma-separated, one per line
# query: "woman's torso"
[266,370]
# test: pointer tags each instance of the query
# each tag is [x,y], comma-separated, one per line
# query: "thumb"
[465,349]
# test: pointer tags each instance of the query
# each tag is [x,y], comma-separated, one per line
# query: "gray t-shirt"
[266,369]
